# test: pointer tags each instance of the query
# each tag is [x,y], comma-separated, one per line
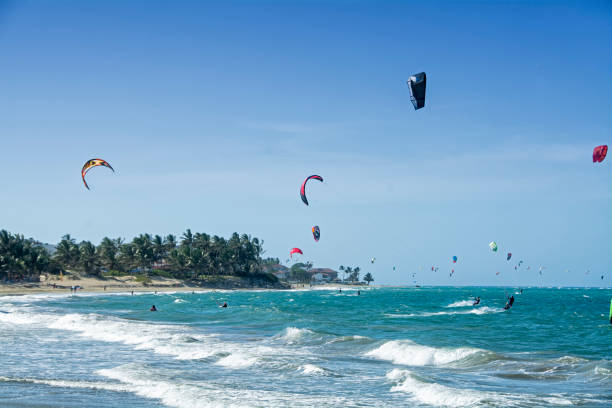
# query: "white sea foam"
[179,301]
[409,353]
[177,341]
[358,339]
[440,395]
[557,401]
[476,311]
[293,335]
[461,303]
[311,369]
[236,360]
[197,394]
[431,393]
[97,385]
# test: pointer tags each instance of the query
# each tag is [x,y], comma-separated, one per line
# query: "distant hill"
[49,247]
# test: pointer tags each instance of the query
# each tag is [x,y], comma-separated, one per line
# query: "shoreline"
[127,285]
[23,289]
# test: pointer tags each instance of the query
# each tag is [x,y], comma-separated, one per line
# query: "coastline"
[157,284]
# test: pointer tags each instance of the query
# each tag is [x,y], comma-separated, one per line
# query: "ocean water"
[388,347]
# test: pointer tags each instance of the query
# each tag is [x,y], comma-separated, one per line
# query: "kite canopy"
[509,256]
[454,259]
[295,251]
[373,260]
[90,164]
[417,84]
[599,153]
[493,246]
[316,233]
[303,188]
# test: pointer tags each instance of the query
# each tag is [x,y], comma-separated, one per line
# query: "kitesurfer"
[358,292]
[509,302]
[153,309]
[476,301]
[224,304]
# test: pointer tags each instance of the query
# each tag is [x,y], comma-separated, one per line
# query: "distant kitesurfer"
[224,304]
[476,301]
[153,309]
[509,302]
[358,292]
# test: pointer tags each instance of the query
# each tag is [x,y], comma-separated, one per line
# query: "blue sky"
[212,114]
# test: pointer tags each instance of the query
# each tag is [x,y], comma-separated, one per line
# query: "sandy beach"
[90,284]
[129,284]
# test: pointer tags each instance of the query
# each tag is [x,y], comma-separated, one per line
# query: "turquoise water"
[388,347]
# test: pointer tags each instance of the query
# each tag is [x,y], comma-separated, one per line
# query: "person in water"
[358,292]
[509,302]
[476,300]
[224,304]
[153,309]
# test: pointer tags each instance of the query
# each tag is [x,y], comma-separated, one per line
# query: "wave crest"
[409,353]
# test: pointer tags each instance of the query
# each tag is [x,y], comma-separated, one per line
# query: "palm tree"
[143,248]
[178,259]
[88,258]
[355,275]
[159,249]
[127,256]
[348,270]
[170,243]
[108,250]
[187,238]
[368,278]
[342,270]
[67,252]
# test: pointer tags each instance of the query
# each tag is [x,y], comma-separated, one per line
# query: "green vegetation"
[23,259]
[196,257]
[368,278]
[299,272]
[353,273]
